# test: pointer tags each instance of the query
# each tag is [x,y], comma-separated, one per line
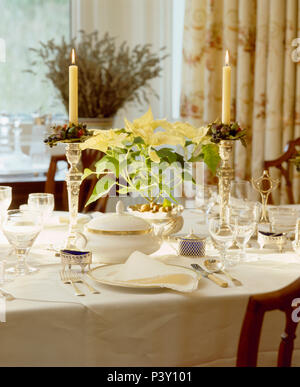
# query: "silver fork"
[66,279]
[77,278]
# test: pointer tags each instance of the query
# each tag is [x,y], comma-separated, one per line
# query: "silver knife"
[212,277]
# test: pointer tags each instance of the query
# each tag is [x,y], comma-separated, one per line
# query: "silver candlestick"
[73,180]
[225,175]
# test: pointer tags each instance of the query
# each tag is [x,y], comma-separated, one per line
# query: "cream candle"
[73,91]
[226,99]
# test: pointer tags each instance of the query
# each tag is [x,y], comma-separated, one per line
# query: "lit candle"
[226,100]
[73,91]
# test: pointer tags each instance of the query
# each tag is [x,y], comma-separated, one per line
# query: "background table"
[48,326]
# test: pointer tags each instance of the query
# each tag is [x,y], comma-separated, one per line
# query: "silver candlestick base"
[73,180]
[225,175]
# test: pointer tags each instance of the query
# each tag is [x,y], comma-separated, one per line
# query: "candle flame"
[227,58]
[73,56]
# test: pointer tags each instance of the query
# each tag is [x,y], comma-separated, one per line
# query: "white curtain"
[137,22]
[266,81]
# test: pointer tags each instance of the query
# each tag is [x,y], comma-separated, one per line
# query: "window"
[24,23]
[177,42]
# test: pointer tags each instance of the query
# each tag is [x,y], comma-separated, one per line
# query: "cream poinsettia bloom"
[163,138]
[104,139]
[196,135]
[142,127]
[145,127]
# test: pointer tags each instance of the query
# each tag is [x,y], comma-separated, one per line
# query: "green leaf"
[108,163]
[244,141]
[167,155]
[167,203]
[101,189]
[138,140]
[211,156]
[196,159]
[87,172]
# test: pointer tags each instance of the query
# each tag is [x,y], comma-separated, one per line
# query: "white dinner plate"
[102,275]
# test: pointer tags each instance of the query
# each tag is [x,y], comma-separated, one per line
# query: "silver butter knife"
[211,277]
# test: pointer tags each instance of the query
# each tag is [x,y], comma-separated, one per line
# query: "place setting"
[149,186]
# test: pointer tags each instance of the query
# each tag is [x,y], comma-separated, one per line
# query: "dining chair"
[89,158]
[284,165]
[286,300]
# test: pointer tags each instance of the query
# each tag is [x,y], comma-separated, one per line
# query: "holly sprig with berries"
[68,134]
[217,131]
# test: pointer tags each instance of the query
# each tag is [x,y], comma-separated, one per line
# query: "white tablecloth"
[48,326]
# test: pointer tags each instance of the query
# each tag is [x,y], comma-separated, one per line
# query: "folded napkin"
[143,269]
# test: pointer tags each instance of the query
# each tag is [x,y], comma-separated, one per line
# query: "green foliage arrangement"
[140,156]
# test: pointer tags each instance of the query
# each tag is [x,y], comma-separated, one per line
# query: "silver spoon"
[216,266]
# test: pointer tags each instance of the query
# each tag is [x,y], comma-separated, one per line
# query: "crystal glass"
[21,229]
[283,219]
[43,203]
[222,236]
[244,226]
[206,198]
[5,199]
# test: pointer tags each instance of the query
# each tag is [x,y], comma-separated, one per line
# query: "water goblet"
[244,227]
[21,230]
[222,235]
[43,203]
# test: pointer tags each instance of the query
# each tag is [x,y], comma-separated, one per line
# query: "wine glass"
[244,226]
[21,229]
[222,235]
[5,199]
[43,203]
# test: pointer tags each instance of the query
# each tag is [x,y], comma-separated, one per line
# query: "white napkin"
[143,269]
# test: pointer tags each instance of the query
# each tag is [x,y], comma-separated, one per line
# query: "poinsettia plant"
[139,156]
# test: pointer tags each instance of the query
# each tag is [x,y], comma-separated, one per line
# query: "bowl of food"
[165,219]
[113,237]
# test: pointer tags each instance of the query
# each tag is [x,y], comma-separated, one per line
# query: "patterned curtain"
[265,79]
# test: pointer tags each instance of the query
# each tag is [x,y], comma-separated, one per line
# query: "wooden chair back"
[284,165]
[284,300]
[89,157]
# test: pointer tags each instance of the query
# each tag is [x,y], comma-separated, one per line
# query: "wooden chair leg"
[287,342]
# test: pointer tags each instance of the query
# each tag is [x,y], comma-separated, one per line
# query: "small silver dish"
[75,257]
[270,238]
